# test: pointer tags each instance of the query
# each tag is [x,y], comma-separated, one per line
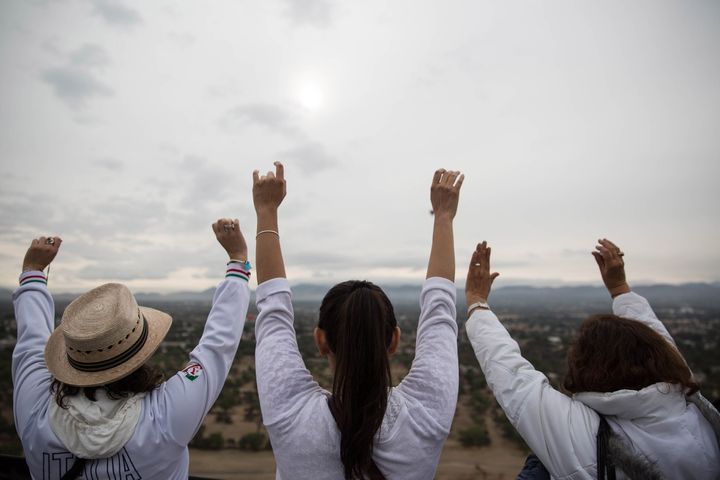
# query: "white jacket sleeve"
[34,315]
[558,429]
[282,378]
[181,403]
[634,307]
[433,377]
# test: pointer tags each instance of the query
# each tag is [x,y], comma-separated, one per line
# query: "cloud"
[205,181]
[75,83]
[136,260]
[272,117]
[115,13]
[310,157]
[201,192]
[24,211]
[75,86]
[182,39]
[328,260]
[128,214]
[109,163]
[149,266]
[89,55]
[575,252]
[314,13]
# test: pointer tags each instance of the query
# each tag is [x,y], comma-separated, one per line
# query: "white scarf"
[95,429]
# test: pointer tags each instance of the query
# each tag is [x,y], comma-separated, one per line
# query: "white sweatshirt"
[303,432]
[171,414]
[561,430]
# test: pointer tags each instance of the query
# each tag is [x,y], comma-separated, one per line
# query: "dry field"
[500,461]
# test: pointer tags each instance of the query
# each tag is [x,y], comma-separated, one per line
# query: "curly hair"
[145,379]
[614,353]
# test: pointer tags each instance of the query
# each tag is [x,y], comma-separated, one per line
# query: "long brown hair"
[614,353]
[358,320]
[145,379]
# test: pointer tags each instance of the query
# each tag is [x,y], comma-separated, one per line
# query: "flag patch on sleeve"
[192,371]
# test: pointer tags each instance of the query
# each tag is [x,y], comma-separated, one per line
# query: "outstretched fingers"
[279,170]
[599,259]
[475,259]
[481,257]
[449,178]
[479,280]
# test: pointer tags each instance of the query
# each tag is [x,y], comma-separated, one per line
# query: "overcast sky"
[128,127]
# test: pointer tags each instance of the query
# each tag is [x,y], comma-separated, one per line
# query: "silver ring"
[478,264]
[50,241]
[229,226]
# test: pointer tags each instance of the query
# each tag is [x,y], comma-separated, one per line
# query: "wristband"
[32,278]
[238,269]
[484,305]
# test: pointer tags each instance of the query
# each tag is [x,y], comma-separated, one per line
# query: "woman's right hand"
[445,192]
[41,253]
[612,267]
[269,190]
[479,279]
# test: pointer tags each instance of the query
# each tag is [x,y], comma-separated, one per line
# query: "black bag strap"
[76,469]
[605,464]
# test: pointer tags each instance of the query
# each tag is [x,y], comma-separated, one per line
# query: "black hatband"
[114,361]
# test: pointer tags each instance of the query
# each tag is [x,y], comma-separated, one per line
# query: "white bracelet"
[484,305]
[267,231]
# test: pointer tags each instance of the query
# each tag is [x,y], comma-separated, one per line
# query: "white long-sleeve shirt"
[171,414]
[561,430]
[303,432]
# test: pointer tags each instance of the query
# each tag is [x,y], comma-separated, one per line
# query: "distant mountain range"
[690,295]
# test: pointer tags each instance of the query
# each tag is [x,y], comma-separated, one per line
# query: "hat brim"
[57,362]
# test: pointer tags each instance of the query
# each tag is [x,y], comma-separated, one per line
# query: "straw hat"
[104,336]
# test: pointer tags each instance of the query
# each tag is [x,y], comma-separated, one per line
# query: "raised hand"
[41,253]
[445,192]
[612,267]
[227,231]
[479,279]
[269,190]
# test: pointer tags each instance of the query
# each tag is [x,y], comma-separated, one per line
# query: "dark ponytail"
[358,320]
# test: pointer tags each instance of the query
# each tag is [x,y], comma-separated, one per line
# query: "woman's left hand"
[41,253]
[269,190]
[479,279]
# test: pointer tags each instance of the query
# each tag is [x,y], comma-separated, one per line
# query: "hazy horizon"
[59,290]
[128,127]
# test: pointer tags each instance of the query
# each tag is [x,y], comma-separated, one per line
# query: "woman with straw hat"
[85,401]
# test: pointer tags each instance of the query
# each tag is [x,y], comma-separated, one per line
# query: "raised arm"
[626,303]
[444,196]
[35,317]
[268,193]
[281,375]
[186,398]
[550,422]
[433,376]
